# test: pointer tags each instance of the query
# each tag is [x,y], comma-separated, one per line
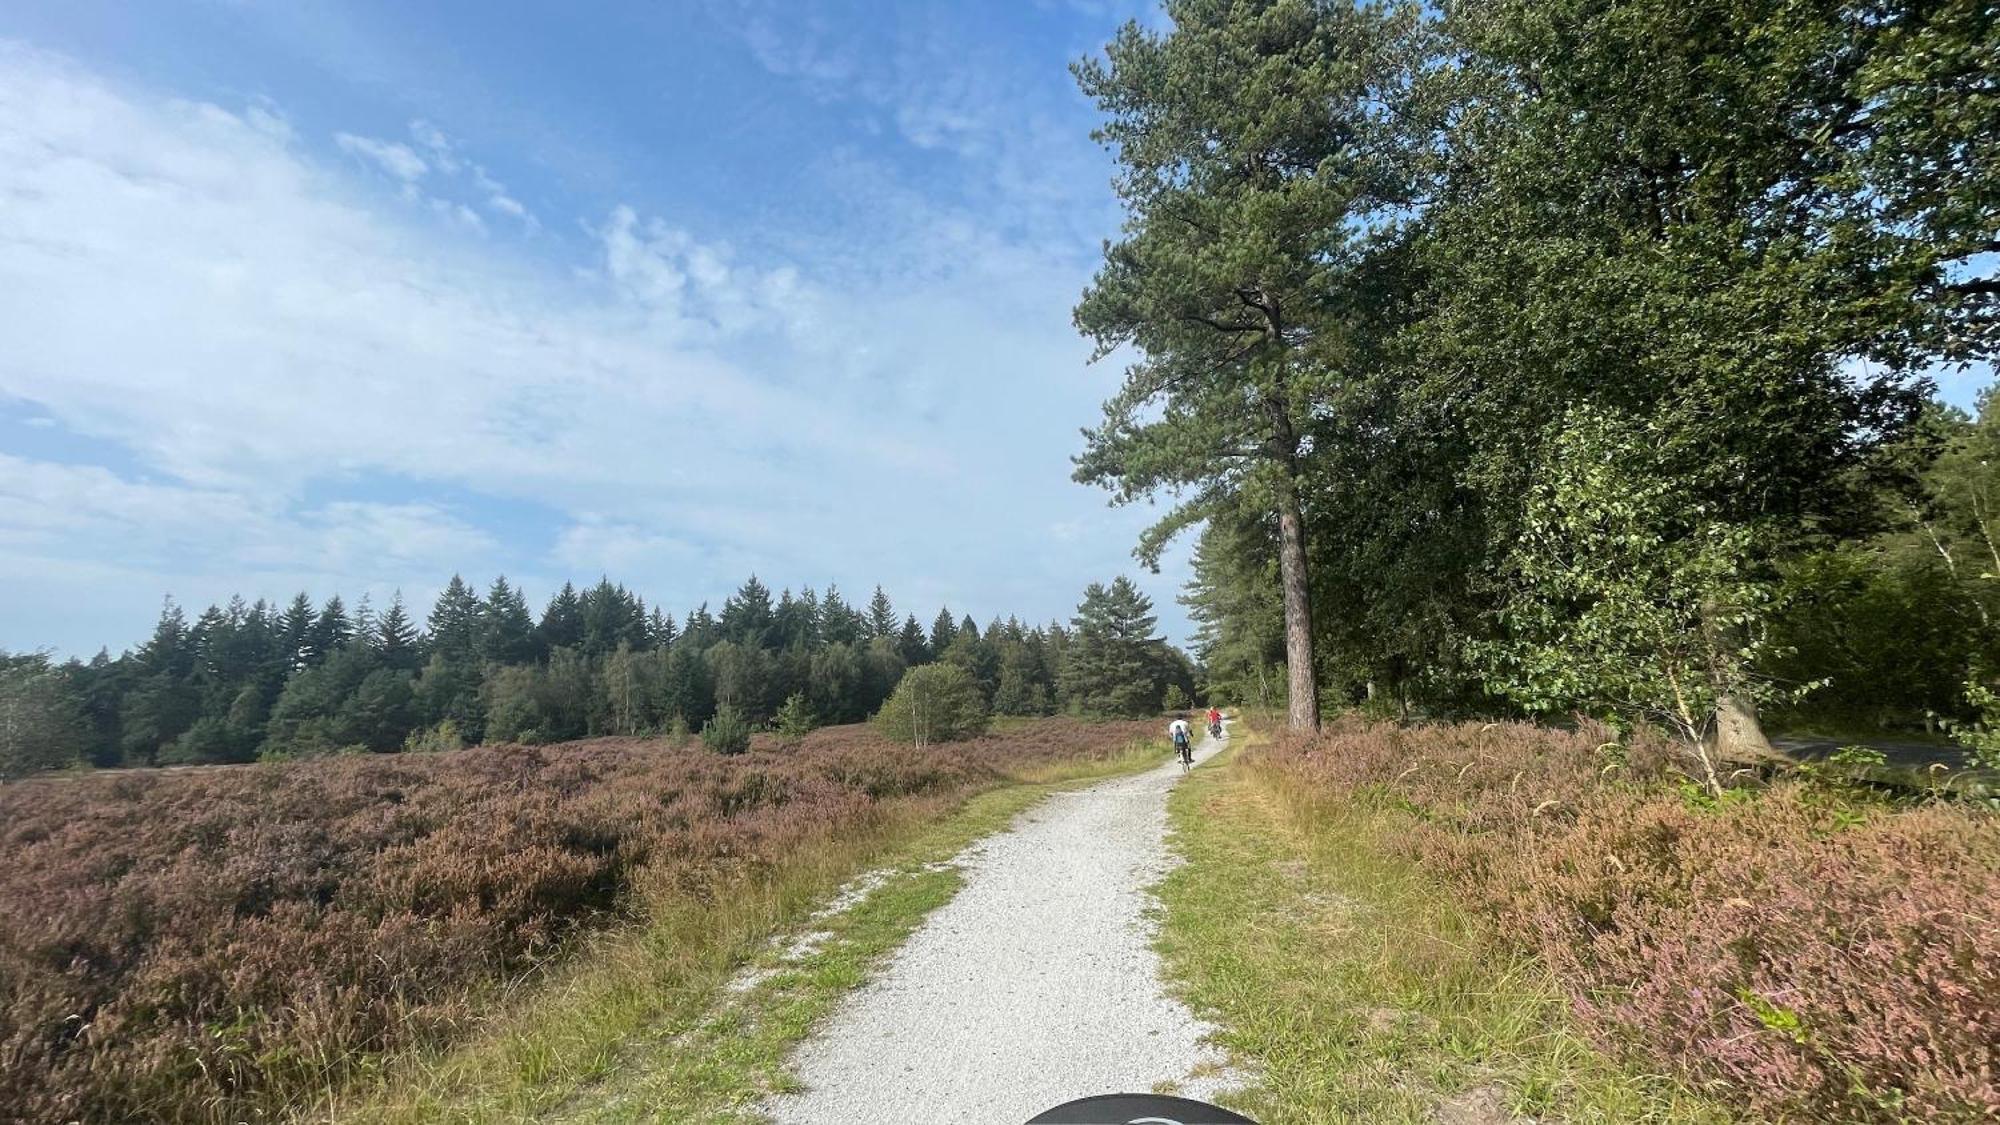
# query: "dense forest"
[253,680]
[1561,356]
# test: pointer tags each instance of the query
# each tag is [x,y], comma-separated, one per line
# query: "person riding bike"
[1215,721]
[1183,739]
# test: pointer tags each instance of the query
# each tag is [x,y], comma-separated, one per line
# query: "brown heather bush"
[1812,954]
[202,945]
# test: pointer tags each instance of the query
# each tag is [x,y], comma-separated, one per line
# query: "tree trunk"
[1735,736]
[1301,678]
[1738,736]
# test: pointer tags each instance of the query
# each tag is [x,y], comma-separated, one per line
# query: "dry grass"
[1805,951]
[1350,988]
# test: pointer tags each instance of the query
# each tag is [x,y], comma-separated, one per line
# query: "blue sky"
[350,297]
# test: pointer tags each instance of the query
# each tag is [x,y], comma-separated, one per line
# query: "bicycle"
[1185,748]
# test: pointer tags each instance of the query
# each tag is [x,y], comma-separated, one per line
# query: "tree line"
[1560,355]
[250,680]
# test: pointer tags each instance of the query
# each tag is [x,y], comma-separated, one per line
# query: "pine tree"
[562,621]
[455,622]
[700,631]
[295,628]
[396,642]
[364,621]
[509,634]
[611,616]
[330,632]
[838,623]
[910,643]
[1114,665]
[881,615]
[746,615]
[660,629]
[794,622]
[943,631]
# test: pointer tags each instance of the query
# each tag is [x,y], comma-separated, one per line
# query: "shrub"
[933,703]
[221,944]
[1176,699]
[727,733]
[795,719]
[1816,956]
[432,739]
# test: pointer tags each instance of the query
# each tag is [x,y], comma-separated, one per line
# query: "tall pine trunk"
[1301,679]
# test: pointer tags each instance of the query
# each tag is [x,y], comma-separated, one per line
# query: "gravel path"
[1036,984]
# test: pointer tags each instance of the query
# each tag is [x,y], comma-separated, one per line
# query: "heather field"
[1807,951]
[218,944]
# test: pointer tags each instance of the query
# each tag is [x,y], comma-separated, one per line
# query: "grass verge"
[644,1027]
[1354,989]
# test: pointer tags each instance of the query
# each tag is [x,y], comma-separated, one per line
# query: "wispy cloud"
[398,160]
[196,286]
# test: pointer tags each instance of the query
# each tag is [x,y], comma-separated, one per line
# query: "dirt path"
[1035,985]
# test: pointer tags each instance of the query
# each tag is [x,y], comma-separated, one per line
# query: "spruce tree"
[660,629]
[562,621]
[330,632]
[295,628]
[396,642]
[881,615]
[455,622]
[509,633]
[747,616]
[838,622]
[944,630]
[910,643]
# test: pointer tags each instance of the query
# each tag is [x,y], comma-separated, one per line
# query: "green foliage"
[41,722]
[1622,595]
[934,703]
[795,719]
[1981,736]
[435,739]
[1175,699]
[1114,665]
[728,732]
[1544,226]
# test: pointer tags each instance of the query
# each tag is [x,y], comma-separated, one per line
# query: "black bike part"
[1138,1109]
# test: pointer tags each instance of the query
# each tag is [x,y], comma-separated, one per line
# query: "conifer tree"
[881,615]
[509,635]
[838,622]
[396,642]
[747,616]
[455,622]
[910,643]
[330,632]
[1114,663]
[295,627]
[944,630]
[562,621]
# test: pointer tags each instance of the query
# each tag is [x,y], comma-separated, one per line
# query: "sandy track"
[1036,984]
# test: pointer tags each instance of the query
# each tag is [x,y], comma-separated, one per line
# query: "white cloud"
[399,160]
[191,286]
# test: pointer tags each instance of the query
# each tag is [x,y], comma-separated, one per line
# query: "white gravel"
[1035,985]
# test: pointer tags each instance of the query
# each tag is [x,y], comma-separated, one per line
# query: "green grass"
[643,1027]
[1351,987]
